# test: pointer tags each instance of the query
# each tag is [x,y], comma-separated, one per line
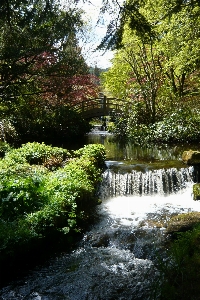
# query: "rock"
[183,222]
[100,240]
[191,157]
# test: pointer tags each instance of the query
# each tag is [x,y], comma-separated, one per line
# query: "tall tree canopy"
[131,12]
[159,65]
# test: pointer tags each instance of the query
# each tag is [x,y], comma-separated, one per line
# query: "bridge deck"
[102,106]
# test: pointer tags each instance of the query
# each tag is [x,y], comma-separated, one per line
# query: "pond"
[117,257]
[153,156]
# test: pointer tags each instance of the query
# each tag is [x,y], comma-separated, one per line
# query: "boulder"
[183,222]
[191,157]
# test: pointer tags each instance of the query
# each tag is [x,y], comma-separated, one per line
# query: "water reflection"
[130,152]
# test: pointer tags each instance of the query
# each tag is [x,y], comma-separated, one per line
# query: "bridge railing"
[102,105]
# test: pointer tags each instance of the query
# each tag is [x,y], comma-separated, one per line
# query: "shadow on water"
[116,257]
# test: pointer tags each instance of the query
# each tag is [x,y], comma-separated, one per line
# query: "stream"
[116,258]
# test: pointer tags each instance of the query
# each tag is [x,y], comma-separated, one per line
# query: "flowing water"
[116,258]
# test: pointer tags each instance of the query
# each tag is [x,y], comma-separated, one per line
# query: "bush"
[21,191]
[180,126]
[36,153]
[54,124]
[36,202]
[95,152]
[183,125]
[68,190]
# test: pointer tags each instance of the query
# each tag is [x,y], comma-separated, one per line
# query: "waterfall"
[138,183]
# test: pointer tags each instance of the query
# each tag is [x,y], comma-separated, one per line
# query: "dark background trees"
[42,70]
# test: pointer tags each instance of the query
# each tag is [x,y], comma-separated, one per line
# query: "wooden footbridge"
[102,106]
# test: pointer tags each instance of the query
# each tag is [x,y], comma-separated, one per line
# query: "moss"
[183,222]
[196,191]
[191,157]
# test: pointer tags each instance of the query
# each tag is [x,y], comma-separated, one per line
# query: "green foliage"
[157,70]
[37,202]
[68,190]
[130,13]
[196,191]
[115,79]
[13,234]
[40,81]
[21,191]
[95,152]
[42,21]
[4,148]
[36,153]
[180,126]
[180,275]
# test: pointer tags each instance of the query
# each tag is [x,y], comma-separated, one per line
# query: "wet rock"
[191,157]
[183,222]
[100,240]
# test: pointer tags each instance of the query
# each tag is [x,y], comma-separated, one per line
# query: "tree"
[180,46]
[158,66]
[42,69]
[67,79]
[139,76]
[30,29]
[129,12]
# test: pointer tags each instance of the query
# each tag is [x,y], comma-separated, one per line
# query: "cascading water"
[162,182]
[116,257]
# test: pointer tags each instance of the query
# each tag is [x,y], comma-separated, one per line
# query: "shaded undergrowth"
[180,276]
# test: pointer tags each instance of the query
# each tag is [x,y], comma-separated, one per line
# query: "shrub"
[36,202]
[21,191]
[70,192]
[183,125]
[52,125]
[180,126]
[36,153]
[13,235]
[96,152]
